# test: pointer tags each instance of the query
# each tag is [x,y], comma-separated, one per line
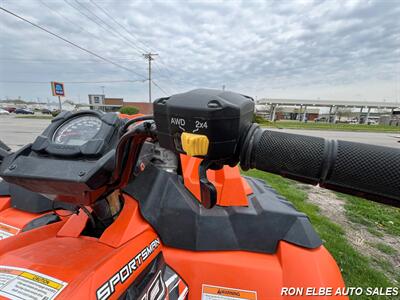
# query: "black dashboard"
[72,160]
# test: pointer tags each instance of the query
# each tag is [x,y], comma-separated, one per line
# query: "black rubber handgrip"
[368,171]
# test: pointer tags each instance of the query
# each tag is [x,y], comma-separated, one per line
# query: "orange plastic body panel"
[232,189]
[14,218]
[266,274]
[85,263]
[5,202]
[125,116]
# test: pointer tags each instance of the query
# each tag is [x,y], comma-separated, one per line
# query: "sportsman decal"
[108,288]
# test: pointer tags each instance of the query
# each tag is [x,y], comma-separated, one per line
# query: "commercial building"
[364,108]
[114,104]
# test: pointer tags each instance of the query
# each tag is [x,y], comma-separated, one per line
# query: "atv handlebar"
[368,171]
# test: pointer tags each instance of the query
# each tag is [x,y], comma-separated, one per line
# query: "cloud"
[316,49]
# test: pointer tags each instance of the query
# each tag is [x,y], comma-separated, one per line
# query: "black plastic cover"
[4,188]
[181,221]
[41,221]
[221,116]
[66,172]
[57,176]
[28,201]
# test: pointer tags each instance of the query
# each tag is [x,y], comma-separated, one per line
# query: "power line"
[114,31]
[123,27]
[160,88]
[160,71]
[165,66]
[120,25]
[71,43]
[89,17]
[148,56]
[108,27]
[52,61]
[165,77]
[128,32]
[65,18]
[74,82]
[70,21]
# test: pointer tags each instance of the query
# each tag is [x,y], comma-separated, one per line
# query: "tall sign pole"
[149,57]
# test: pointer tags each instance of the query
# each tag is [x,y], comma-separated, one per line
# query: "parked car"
[24,111]
[10,109]
[3,112]
[46,111]
[320,119]
[372,122]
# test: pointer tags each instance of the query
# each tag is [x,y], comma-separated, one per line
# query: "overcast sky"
[281,49]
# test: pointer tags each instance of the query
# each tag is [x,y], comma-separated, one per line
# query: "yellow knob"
[194,144]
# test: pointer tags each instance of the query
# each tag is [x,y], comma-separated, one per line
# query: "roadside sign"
[57,88]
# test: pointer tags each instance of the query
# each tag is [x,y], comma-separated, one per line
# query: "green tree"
[344,112]
[129,110]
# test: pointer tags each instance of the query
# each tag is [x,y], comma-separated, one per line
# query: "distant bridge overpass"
[333,105]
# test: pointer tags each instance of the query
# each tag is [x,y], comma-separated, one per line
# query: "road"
[17,132]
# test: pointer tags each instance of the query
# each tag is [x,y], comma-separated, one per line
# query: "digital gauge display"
[77,131]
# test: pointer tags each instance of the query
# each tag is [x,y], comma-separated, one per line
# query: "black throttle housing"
[221,116]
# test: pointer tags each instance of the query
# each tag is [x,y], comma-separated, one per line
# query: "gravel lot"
[16,132]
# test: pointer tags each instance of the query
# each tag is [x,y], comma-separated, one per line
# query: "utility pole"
[149,57]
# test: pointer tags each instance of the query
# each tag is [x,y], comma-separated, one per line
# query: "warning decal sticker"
[211,292]
[7,231]
[17,283]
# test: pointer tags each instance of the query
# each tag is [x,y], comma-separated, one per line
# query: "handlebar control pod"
[368,171]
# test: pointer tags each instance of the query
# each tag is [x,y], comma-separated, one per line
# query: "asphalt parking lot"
[16,132]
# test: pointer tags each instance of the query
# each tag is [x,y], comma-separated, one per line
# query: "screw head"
[12,167]
[81,173]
